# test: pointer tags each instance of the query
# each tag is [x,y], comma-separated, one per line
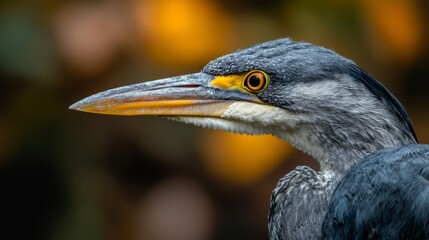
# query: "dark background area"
[71,175]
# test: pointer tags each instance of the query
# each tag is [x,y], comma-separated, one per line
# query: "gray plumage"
[343,112]
[385,196]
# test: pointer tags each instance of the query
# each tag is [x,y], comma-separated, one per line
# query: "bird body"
[309,96]
[385,196]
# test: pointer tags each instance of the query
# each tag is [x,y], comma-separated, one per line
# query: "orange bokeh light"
[398,25]
[241,159]
[183,32]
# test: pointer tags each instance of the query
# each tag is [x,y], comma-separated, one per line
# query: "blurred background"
[71,175]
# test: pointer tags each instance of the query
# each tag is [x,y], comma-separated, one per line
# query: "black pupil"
[254,81]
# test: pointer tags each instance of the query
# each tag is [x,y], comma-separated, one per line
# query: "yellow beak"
[187,95]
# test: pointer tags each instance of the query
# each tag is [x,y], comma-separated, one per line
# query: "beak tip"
[74,106]
[78,106]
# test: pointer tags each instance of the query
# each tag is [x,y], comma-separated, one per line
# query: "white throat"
[257,119]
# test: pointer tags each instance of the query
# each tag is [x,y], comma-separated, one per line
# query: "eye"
[256,81]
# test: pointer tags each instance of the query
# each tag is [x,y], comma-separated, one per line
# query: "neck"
[340,147]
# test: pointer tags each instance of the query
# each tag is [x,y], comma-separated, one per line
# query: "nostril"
[191,86]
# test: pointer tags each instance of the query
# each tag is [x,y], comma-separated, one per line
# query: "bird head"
[307,95]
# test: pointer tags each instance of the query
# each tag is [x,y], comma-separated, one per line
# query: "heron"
[310,96]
